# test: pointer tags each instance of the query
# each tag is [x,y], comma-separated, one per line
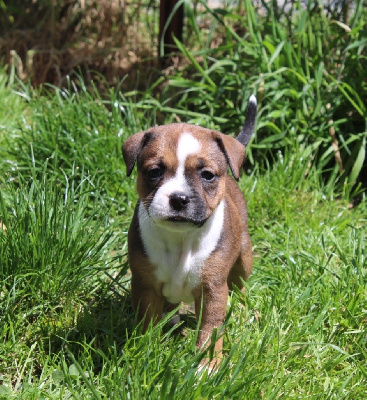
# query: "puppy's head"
[182,172]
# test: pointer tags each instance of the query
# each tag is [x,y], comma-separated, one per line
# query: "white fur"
[252,99]
[180,255]
[160,207]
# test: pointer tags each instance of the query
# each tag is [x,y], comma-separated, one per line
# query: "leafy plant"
[307,71]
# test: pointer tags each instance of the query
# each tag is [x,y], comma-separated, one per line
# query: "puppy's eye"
[155,173]
[207,176]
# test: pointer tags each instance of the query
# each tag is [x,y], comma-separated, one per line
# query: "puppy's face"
[181,172]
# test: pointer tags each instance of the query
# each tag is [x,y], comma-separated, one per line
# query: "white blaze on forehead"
[187,145]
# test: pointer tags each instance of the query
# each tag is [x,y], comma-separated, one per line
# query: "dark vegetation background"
[48,40]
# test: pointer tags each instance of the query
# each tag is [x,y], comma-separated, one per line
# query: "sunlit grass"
[66,322]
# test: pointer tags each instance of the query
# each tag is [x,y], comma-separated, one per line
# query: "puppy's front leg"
[214,301]
[148,304]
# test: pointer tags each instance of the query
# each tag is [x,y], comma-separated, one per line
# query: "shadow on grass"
[105,325]
[94,320]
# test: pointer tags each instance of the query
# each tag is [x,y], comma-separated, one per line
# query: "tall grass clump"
[70,128]
[73,131]
[54,238]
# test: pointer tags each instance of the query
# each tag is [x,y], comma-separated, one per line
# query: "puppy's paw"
[175,320]
[211,366]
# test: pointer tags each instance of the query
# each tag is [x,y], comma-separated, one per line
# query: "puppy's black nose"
[178,200]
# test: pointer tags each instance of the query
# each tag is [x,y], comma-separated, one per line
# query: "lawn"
[66,321]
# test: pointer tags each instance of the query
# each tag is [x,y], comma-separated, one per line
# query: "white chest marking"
[159,207]
[180,256]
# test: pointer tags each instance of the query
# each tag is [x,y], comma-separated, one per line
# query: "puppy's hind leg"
[243,266]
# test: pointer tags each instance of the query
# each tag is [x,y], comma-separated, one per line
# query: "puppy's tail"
[248,129]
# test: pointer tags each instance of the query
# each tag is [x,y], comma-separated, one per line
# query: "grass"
[66,322]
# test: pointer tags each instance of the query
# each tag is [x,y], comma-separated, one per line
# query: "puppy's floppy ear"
[233,150]
[132,147]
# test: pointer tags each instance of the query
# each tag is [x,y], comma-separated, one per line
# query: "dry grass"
[109,37]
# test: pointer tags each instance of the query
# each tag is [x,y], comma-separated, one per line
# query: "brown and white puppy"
[188,240]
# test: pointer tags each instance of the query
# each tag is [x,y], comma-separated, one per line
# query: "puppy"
[188,240]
